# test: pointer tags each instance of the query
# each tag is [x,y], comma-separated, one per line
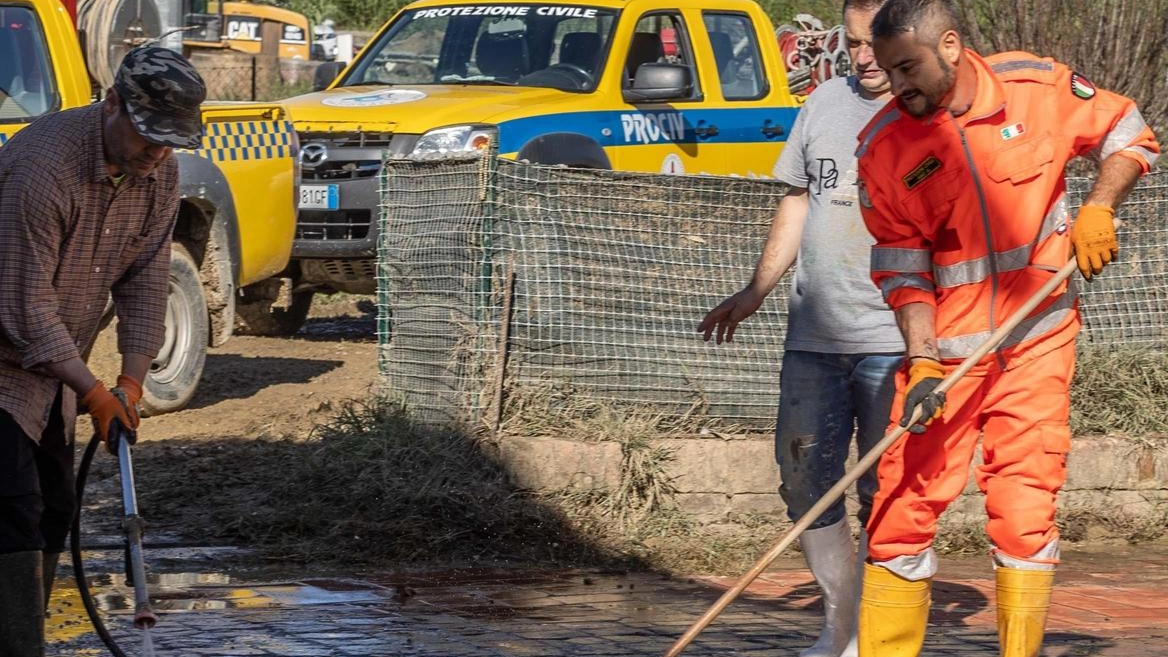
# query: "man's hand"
[131,389]
[1093,238]
[924,375]
[726,316]
[104,407]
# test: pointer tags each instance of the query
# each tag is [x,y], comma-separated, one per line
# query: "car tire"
[174,374]
[255,315]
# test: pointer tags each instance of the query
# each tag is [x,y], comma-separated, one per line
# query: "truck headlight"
[455,140]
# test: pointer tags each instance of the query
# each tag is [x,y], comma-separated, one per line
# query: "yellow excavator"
[108,28]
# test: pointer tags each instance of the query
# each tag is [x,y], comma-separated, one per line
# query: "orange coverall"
[970,214]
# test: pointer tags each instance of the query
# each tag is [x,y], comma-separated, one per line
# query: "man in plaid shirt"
[88,202]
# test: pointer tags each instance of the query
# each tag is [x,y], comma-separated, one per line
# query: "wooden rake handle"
[867,461]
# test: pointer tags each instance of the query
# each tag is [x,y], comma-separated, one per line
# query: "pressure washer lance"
[120,441]
[133,526]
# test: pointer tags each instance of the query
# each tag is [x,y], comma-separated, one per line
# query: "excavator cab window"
[203,20]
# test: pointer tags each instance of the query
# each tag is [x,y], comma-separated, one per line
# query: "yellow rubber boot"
[894,613]
[1023,599]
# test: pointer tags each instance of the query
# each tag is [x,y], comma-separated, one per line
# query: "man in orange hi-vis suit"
[962,187]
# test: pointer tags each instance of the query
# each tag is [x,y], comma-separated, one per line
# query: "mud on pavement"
[1107,603]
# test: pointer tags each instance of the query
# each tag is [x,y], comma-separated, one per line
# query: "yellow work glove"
[1093,238]
[924,375]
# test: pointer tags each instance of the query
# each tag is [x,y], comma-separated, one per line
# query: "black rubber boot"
[22,605]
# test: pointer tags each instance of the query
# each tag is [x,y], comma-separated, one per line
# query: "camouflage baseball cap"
[162,92]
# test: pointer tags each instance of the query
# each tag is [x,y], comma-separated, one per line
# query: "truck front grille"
[340,170]
[348,140]
[333,224]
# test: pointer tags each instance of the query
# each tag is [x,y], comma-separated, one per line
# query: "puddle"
[194,591]
[186,590]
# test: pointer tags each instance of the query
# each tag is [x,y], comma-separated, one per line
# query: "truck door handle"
[706,131]
[770,129]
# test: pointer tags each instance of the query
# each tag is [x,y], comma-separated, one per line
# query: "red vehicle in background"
[812,53]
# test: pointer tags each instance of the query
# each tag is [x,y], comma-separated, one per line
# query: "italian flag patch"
[1010,132]
[1081,87]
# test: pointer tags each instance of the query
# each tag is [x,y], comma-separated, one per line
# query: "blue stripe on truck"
[652,126]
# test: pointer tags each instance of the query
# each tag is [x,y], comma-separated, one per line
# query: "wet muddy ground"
[1110,601]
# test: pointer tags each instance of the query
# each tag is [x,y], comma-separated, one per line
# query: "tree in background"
[1121,45]
[360,15]
[784,11]
[315,10]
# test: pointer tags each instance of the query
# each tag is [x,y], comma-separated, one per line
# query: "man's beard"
[935,93]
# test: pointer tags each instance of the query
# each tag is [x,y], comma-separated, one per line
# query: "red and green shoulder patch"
[1082,87]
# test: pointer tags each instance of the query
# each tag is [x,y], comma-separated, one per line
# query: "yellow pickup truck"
[238,210]
[670,86]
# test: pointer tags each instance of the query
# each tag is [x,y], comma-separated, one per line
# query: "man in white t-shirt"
[843,346]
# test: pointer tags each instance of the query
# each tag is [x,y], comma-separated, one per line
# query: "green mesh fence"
[1128,303]
[432,292]
[604,277]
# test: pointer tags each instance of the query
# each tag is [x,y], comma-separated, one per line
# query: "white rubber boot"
[831,556]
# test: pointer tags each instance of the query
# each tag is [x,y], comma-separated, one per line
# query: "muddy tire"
[255,314]
[174,374]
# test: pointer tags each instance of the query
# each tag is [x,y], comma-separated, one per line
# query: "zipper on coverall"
[989,236]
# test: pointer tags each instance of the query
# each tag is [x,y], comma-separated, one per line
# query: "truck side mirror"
[659,81]
[325,74]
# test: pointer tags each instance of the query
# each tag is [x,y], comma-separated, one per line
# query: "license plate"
[320,197]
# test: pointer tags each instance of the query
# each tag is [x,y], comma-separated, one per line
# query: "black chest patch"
[921,173]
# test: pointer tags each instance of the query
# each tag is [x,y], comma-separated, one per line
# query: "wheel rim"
[176,342]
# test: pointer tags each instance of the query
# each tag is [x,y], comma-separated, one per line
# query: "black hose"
[75,550]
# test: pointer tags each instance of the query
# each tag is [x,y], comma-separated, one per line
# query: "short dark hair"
[862,5]
[927,17]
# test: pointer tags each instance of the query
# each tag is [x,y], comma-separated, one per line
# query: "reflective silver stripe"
[976,270]
[905,261]
[1148,154]
[1019,64]
[891,116]
[893,283]
[1034,326]
[1056,217]
[1123,134]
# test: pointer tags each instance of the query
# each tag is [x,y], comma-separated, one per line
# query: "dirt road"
[253,387]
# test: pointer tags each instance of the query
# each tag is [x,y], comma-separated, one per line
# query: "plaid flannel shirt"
[70,238]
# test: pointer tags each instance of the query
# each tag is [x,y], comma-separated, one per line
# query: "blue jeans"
[823,400]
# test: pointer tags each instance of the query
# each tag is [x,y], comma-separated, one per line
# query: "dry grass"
[555,407]
[370,487]
[1121,390]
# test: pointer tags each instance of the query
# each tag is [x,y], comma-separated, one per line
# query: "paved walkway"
[1109,602]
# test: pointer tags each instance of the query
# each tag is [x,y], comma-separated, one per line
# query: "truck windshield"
[26,81]
[531,45]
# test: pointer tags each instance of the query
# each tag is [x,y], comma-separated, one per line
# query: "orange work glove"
[1093,238]
[924,375]
[132,390]
[104,408]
